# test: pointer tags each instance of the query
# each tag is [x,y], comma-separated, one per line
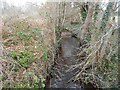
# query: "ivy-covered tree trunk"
[84,11]
[88,21]
[105,17]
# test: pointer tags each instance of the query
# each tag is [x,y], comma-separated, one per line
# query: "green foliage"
[106,15]
[36,33]
[13,54]
[38,81]
[84,11]
[84,15]
[96,12]
[109,72]
[19,85]
[26,35]
[23,36]
[24,58]
[44,54]
[42,82]
[14,85]
[88,38]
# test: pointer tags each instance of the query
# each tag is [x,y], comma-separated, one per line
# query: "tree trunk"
[88,21]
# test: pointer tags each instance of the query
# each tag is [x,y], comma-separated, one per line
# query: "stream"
[63,78]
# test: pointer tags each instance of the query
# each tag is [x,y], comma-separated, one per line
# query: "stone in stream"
[69,45]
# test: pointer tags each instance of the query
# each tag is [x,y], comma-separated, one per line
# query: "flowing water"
[62,78]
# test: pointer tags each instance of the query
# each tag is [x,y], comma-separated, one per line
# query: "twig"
[88,62]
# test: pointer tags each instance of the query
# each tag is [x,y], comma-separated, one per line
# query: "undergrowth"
[25,45]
